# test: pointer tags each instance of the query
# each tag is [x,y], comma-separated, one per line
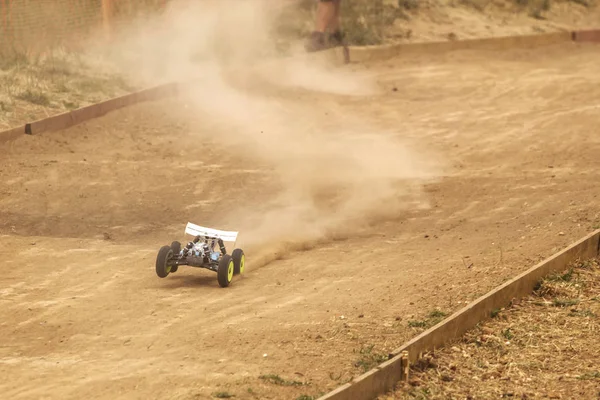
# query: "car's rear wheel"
[225,270]
[239,261]
[164,261]
[176,247]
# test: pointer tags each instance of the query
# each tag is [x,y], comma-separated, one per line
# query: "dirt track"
[84,315]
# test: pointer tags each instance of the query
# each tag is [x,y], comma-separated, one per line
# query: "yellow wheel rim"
[242,263]
[167,266]
[230,271]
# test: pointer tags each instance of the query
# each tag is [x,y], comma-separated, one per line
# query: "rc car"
[201,253]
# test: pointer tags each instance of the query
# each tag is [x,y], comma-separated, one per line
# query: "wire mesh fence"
[29,26]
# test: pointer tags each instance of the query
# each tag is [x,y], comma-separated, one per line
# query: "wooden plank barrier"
[591,35]
[71,118]
[12,133]
[371,53]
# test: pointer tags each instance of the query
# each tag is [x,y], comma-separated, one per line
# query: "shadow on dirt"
[200,280]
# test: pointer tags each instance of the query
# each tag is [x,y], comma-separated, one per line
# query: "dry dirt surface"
[388,195]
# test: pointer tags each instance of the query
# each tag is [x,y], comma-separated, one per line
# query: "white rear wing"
[195,230]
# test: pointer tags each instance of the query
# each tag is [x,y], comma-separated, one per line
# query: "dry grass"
[364,22]
[371,22]
[368,22]
[37,87]
[545,346]
[536,9]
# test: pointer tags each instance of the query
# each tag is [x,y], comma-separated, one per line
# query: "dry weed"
[545,346]
[33,87]
[365,22]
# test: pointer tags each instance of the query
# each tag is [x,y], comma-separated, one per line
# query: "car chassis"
[201,253]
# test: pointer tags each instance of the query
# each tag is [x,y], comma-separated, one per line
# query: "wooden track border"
[71,118]
[590,35]
[384,377]
[336,56]
[371,53]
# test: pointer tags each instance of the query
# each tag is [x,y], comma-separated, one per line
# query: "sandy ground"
[84,211]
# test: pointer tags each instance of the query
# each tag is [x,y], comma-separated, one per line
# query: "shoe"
[315,42]
[336,38]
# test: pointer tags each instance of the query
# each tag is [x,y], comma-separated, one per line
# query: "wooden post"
[405,366]
[106,18]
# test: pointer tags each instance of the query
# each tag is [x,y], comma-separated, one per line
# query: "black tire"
[176,246]
[239,261]
[165,254]
[225,270]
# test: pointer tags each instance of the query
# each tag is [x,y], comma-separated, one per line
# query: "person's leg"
[326,14]
[336,37]
[334,21]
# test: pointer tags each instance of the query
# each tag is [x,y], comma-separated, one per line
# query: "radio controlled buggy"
[201,253]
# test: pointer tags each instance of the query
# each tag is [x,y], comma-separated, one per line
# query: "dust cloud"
[337,172]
